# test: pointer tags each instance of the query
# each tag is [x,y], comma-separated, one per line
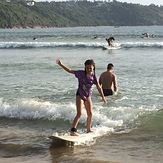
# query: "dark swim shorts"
[77,93]
[107,92]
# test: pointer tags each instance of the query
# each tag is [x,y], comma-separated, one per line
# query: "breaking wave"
[26,45]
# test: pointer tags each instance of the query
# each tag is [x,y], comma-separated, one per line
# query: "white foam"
[142,44]
[33,109]
[105,119]
[79,44]
[47,44]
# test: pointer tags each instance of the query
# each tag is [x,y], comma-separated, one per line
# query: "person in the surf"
[110,41]
[145,35]
[108,81]
[86,79]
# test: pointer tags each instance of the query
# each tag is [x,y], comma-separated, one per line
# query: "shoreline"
[39,27]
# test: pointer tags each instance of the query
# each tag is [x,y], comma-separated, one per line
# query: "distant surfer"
[86,79]
[153,35]
[146,35]
[110,41]
[108,80]
[95,37]
[34,38]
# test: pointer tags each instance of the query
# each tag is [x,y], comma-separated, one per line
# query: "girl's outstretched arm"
[101,93]
[59,62]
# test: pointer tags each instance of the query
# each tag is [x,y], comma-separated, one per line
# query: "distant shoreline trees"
[78,13]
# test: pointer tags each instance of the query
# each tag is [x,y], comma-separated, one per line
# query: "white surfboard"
[82,138]
[111,48]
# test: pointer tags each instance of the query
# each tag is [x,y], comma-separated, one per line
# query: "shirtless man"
[108,81]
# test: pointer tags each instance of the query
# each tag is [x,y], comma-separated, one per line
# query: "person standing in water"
[108,80]
[86,78]
[110,41]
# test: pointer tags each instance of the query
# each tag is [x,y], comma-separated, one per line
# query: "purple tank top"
[85,83]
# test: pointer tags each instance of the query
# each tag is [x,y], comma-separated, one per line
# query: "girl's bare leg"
[88,106]
[79,108]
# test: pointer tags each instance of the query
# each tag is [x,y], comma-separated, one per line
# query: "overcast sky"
[143,2]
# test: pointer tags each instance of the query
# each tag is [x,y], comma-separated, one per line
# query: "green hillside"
[81,13]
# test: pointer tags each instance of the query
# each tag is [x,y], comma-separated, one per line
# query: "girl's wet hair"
[90,62]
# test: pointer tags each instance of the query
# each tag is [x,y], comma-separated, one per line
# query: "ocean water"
[37,97]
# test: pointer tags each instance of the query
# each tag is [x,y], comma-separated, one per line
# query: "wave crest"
[22,45]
